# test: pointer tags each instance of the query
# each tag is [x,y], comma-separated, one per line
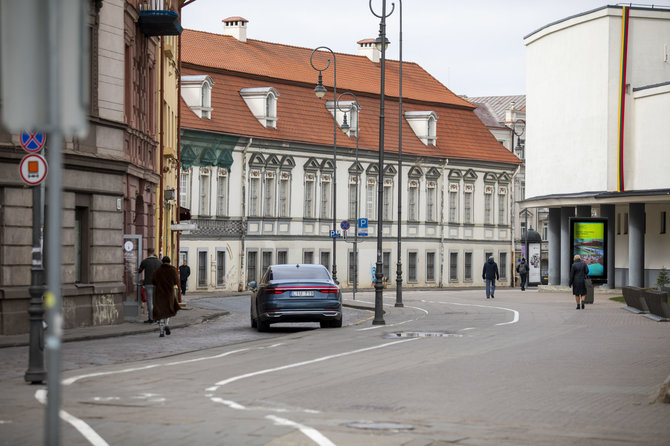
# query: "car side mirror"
[337,282]
[252,284]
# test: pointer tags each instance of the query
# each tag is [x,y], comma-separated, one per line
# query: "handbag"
[588,282]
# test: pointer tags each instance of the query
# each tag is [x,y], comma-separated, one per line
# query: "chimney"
[367,48]
[236,27]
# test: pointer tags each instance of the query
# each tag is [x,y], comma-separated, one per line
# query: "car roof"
[298,265]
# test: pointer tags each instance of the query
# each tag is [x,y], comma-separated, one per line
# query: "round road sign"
[33,169]
[344,225]
[33,142]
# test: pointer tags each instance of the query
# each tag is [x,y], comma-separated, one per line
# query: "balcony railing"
[159,18]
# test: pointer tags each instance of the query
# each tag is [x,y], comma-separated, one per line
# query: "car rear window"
[294,273]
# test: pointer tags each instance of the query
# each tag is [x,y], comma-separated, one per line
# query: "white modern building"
[261,181]
[598,102]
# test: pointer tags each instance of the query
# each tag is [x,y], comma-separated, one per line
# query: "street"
[449,367]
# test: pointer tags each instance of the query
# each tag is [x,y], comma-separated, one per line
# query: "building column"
[636,244]
[583,211]
[554,237]
[566,251]
[608,211]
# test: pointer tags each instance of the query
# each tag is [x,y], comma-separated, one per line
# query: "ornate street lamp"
[398,280]
[320,92]
[381,43]
[345,126]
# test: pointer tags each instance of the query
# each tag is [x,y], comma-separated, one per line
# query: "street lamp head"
[345,125]
[320,90]
[382,41]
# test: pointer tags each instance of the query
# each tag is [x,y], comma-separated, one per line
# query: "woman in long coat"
[578,273]
[166,304]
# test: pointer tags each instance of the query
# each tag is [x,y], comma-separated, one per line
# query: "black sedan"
[296,293]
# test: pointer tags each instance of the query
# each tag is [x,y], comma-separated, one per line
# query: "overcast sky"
[474,47]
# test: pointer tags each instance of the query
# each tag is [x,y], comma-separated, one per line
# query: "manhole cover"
[421,334]
[380,426]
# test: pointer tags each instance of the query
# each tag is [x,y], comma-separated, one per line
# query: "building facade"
[261,180]
[600,136]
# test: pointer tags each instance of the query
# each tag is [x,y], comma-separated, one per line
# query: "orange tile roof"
[302,117]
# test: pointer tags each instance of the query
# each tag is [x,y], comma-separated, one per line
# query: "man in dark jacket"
[149,265]
[490,275]
[522,269]
[184,272]
[165,279]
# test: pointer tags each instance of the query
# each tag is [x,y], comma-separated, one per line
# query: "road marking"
[83,428]
[312,433]
[514,320]
[375,327]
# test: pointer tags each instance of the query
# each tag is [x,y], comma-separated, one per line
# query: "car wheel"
[337,323]
[262,326]
[324,324]
[253,322]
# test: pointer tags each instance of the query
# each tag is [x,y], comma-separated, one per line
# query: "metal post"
[379,286]
[322,89]
[36,372]
[398,280]
[52,298]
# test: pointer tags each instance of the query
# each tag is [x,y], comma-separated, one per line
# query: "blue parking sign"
[362,222]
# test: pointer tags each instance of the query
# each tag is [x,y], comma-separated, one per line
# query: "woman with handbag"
[578,273]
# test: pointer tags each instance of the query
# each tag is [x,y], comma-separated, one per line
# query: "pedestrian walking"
[578,272]
[166,304]
[490,275]
[184,272]
[148,266]
[522,269]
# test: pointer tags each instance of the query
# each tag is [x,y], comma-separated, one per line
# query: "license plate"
[302,293]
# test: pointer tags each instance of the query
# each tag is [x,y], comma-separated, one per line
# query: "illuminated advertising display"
[588,238]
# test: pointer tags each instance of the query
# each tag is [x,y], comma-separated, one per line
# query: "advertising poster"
[534,263]
[588,240]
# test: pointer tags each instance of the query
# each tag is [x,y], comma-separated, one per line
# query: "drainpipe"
[513,223]
[242,285]
[178,138]
[441,283]
[160,148]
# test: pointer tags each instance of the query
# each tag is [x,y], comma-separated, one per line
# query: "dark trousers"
[524,277]
[183,287]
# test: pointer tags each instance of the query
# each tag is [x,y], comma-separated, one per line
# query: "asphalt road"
[449,367]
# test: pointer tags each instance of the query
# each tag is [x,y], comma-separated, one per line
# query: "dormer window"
[197,93]
[424,125]
[347,116]
[262,103]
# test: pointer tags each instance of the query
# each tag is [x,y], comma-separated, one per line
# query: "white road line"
[375,327]
[312,433]
[513,321]
[83,428]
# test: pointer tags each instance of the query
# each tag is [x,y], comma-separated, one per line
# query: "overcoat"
[578,272]
[165,302]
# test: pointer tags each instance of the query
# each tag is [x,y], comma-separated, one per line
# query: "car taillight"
[272,291]
[329,290]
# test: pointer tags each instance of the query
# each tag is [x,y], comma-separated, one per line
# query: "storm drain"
[381,426]
[421,334]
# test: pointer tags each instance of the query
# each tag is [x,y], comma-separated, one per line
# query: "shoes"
[487,297]
[149,321]
[582,305]
[162,335]
[578,307]
[523,289]
[167,330]
[492,296]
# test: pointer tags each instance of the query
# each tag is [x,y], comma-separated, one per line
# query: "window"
[254,193]
[467,267]
[424,125]
[185,189]
[371,198]
[502,206]
[81,247]
[325,259]
[262,102]
[502,265]
[222,193]
[430,201]
[523,190]
[386,265]
[664,220]
[308,257]
[388,199]
[266,261]
[202,268]
[310,184]
[204,191]
[269,194]
[467,203]
[625,223]
[352,266]
[252,266]
[284,194]
[413,200]
[220,267]
[453,203]
[183,255]
[196,91]
[282,256]
[523,229]
[432,130]
[488,204]
[545,230]
[430,266]
[453,267]
[618,223]
[206,100]
[411,266]
[324,200]
[353,201]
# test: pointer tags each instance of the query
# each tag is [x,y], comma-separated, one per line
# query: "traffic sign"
[33,169]
[33,142]
[345,225]
[334,234]
[362,222]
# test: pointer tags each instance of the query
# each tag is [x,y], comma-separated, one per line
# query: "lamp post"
[345,126]
[398,280]
[320,92]
[381,44]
